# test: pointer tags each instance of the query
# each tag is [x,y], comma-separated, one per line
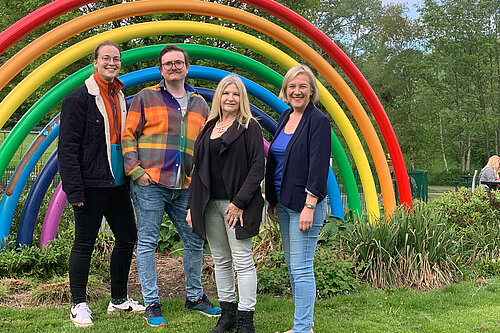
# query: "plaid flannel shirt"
[157,139]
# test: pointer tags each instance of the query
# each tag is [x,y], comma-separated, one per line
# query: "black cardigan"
[242,159]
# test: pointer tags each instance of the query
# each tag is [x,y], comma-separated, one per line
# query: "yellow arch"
[52,66]
[71,28]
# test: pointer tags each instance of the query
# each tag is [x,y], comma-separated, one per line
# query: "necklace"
[223,128]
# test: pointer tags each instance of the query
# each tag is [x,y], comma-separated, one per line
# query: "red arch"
[46,13]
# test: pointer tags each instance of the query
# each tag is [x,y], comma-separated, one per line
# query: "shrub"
[466,208]
[445,177]
[334,274]
[101,256]
[476,219]
[52,260]
[169,239]
[416,249]
[33,261]
[333,230]
[272,274]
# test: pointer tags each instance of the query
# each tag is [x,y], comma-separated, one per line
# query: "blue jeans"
[150,202]
[299,247]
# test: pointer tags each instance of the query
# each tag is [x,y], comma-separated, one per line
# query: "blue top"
[278,151]
[305,163]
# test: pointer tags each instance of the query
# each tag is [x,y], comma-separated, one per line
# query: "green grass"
[24,147]
[464,307]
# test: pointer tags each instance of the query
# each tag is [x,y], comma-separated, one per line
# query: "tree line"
[437,74]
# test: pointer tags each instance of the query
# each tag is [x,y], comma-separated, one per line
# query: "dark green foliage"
[445,178]
[41,263]
[333,229]
[272,275]
[475,216]
[169,239]
[334,274]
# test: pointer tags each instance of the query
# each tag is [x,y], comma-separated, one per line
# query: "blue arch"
[28,219]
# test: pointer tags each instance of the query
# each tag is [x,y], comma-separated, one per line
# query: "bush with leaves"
[335,274]
[169,239]
[465,208]
[416,249]
[476,218]
[333,271]
[31,261]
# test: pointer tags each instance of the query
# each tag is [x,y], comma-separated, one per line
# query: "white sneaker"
[128,306]
[81,315]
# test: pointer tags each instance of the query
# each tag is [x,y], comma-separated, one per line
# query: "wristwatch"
[310,206]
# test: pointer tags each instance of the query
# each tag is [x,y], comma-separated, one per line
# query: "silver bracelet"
[311,194]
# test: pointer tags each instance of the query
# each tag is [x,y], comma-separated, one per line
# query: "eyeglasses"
[169,64]
[107,60]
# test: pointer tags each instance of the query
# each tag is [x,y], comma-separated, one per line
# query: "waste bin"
[419,184]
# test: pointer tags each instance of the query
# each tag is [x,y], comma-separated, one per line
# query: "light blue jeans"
[299,247]
[228,251]
[150,202]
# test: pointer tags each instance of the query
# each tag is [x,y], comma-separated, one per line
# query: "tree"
[460,47]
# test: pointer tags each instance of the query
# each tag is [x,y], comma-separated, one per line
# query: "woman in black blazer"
[225,200]
[296,177]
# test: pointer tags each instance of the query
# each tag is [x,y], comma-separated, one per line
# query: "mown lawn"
[24,147]
[464,307]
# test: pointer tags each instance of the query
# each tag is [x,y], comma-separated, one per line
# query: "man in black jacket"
[91,168]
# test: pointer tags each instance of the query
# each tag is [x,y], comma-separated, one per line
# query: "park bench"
[463,181]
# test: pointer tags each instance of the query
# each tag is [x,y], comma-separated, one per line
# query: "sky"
[409,3]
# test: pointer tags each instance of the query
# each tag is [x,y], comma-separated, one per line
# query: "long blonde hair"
[244,108]
[494,163]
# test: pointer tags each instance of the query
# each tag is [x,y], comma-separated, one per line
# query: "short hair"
[105,43]
[292,73]
[244,108]
[170,48]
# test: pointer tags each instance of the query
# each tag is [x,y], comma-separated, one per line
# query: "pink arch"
[58,7]
[52,216]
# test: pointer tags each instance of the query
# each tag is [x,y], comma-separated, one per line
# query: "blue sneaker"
[204,306]
[153,315]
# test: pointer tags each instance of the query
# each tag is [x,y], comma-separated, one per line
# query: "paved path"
[438,190]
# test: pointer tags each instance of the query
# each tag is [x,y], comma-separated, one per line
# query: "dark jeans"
[115,205]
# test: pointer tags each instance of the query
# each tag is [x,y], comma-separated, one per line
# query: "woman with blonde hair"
[225,201]
[296,176]
[490,172]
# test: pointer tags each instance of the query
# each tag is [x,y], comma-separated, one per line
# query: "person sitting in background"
[490,172]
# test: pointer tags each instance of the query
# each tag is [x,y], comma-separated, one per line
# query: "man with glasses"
[91,168]
[161,128]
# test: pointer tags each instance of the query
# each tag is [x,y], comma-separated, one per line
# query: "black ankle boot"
[227,320]
[244,322]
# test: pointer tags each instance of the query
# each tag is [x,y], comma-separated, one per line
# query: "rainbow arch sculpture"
[58,7]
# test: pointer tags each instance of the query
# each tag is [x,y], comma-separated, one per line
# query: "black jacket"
[242,160]
[306,160]
[84,149]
